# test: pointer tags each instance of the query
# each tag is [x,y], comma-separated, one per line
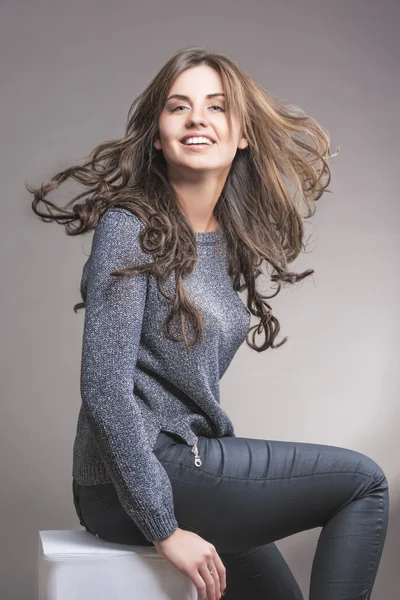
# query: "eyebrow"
[183,97]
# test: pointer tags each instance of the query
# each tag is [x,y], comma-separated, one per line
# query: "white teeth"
[197,140]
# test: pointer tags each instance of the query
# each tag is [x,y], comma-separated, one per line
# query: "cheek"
[164,131]
[169,131]
[230,146]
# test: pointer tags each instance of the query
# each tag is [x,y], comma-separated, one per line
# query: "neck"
[197,198]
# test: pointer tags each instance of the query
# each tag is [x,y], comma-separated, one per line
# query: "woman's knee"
[367,466]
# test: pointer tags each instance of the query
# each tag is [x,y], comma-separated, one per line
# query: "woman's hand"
[195,557]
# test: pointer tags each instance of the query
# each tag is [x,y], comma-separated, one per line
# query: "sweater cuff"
[156,527]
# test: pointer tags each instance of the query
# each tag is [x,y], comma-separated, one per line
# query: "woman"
[206,186]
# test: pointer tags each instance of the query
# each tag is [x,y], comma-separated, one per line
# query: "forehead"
[201,80]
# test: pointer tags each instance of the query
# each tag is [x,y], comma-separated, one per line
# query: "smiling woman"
[194,113]
[181,225]
[267,165]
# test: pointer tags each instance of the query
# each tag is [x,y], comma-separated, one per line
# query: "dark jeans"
[247,494]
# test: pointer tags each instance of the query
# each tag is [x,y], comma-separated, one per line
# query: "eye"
[175,109]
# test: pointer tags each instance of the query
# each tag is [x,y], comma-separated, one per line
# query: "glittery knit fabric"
[136,382]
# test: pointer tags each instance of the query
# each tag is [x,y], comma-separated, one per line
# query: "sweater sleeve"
[112,330]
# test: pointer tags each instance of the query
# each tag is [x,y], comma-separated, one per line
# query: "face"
[197,115]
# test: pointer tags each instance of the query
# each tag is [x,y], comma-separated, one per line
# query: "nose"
[197,116]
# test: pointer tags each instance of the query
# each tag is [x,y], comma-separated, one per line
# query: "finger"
[211,587]
[219,565]
[217,583]
[199,584]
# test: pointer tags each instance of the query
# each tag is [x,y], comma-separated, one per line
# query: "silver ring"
[211,571]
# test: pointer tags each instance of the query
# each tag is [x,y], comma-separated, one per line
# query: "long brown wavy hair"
[283,169]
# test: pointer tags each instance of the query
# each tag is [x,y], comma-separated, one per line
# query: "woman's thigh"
[250,492]
[247,493]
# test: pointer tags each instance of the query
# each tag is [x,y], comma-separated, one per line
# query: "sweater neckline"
[208,237]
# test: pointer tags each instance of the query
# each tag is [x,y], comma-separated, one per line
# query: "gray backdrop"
[69,72]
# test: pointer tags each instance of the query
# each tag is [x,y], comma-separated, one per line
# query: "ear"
[243,143]
[157,143]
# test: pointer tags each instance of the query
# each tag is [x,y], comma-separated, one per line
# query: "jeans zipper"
[197,459]
[194,447]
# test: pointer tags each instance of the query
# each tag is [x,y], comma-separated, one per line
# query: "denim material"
[247,494]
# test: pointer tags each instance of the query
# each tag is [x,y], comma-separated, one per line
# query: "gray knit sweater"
[135,382]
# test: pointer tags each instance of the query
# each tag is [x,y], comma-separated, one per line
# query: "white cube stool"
[76,565]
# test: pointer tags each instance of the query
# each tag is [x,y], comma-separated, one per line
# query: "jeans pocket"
[165,440]
[94,501]
[99,504]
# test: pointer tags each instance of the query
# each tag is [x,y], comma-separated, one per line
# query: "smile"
[197,147]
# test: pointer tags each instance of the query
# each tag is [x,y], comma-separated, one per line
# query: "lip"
[197,148]
[189,135]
